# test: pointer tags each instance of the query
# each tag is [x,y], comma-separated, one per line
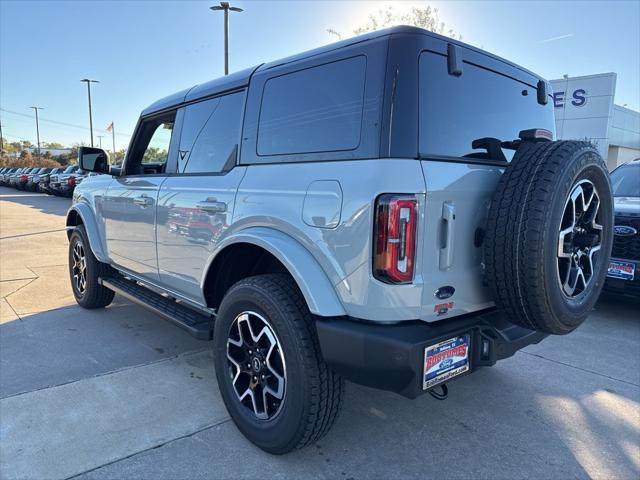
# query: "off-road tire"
[94,294]
[521,244]
[313,393]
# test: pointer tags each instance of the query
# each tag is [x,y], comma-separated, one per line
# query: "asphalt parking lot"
[119,393]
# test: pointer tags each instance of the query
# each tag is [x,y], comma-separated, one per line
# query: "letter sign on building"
[579,98]
[583,106]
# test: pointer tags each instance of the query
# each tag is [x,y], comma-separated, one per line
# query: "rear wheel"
[270,370]
[84,272]
[549,235]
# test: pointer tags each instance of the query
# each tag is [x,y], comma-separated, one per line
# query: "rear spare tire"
[549,235]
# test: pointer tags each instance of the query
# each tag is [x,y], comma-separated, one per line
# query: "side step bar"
[198,324]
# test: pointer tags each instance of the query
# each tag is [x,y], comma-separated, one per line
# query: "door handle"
[212,206]
[143,201]
[447,235]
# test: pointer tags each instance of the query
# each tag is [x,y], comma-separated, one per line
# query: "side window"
[318,109]
[210,134]
[157,152]
[150,152]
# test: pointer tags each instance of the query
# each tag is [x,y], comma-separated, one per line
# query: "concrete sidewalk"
[119,393]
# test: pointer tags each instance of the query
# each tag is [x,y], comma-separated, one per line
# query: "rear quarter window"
[455,110]
[318,109]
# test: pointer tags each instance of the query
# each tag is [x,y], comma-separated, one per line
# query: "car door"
[129,205]
[195,205]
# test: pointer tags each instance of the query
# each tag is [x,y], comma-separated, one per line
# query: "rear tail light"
[395,238]
[71,181]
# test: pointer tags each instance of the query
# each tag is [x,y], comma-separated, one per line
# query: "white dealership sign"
[584,107]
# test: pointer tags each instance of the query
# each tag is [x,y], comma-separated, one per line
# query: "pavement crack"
[9,237]
[19,279]
[159,445]
[579,368]
[31,280]
[13,309]
[103,374]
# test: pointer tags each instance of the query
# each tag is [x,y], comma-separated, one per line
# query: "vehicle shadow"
[39,201]
[60,345]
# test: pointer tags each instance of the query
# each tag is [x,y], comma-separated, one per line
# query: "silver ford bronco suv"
[391,209]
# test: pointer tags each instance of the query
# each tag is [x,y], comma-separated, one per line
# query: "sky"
[144,50]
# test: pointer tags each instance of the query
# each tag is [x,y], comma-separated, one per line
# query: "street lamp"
[226,7]
[89,82]
[37,128]
[100,140]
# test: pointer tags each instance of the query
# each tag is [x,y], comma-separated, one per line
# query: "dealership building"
[585,109]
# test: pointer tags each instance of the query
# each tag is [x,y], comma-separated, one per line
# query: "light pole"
[100,140]
[37,129]
[89,82]
[226,7]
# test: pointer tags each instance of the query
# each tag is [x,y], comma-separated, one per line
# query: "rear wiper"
[494,146]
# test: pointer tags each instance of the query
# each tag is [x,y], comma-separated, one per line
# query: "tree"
[426,18]
[118,157]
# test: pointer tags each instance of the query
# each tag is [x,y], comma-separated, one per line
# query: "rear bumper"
[391,357]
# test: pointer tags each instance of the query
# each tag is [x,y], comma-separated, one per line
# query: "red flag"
[110,127]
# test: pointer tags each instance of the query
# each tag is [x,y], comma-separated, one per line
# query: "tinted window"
[210,134]
[626,181]
[480,103]
[318,109]
[157,150]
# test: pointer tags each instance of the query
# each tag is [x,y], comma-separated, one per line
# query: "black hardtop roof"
[241,78]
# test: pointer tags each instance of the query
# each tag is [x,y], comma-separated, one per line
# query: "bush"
[27,160]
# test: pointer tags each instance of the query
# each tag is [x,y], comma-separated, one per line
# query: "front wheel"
[84,272]
[273,380]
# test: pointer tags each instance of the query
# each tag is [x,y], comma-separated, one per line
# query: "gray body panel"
[315,218]
[467,190]
[129,215]
[187,234]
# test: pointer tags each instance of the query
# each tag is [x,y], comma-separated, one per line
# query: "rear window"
[318,109]
[455,110]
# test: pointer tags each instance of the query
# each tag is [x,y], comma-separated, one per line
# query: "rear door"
[129,204]
[195,205]
[455,110]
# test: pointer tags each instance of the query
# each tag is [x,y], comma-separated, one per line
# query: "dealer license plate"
[446,360]
[623,270]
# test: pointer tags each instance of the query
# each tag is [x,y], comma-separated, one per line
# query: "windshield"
[626,181]
[70,169]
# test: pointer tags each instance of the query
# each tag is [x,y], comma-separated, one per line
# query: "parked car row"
[54,181]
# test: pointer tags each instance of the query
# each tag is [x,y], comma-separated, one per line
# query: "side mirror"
[93,160]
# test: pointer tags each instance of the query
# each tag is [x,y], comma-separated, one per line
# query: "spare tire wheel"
[549,235]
